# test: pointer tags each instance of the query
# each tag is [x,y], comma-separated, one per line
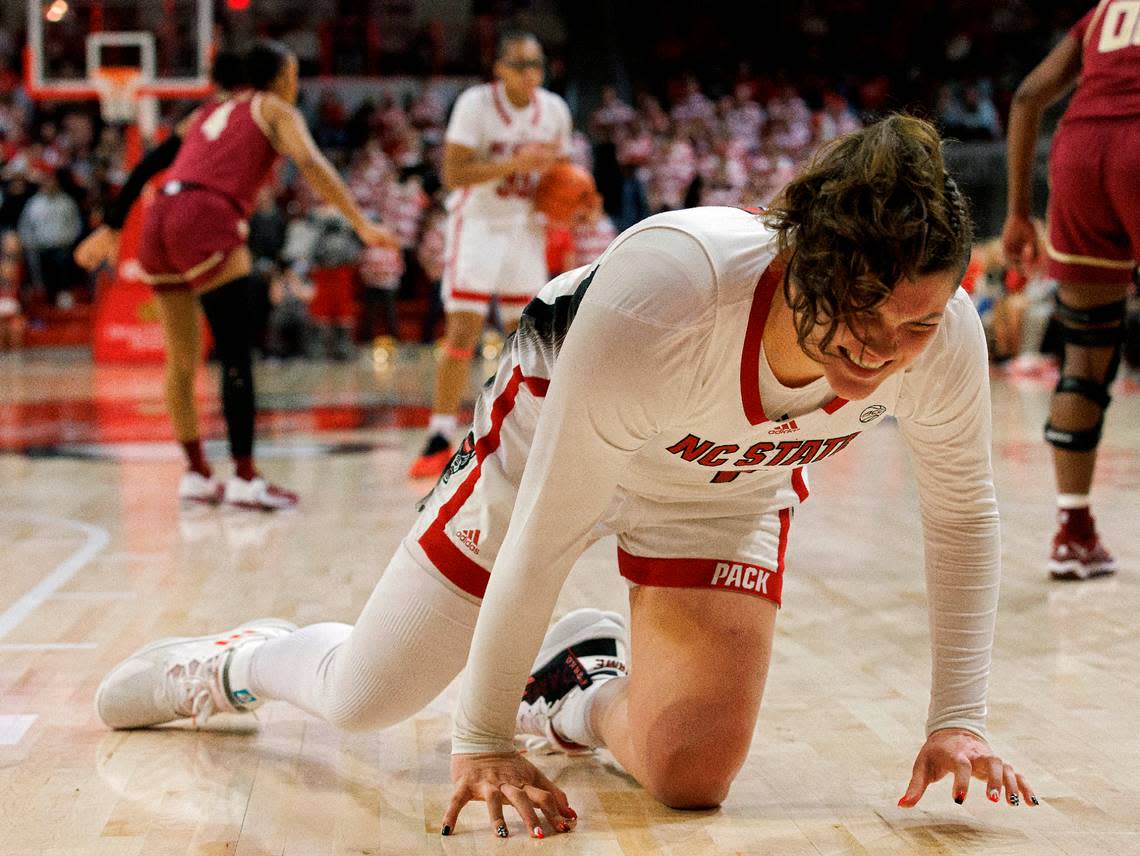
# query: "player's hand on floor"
[507,779]
[965,755]
[100,246]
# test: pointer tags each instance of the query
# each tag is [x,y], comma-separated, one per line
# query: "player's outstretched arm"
[290,136]
[964,755]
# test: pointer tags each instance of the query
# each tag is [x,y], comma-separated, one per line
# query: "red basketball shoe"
[1077,552]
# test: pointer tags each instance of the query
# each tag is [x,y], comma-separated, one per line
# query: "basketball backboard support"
[69,41]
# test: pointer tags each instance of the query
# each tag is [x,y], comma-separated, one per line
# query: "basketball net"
[121,99]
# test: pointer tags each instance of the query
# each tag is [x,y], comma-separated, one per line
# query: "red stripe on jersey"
[726,574]
[762,298]
[503,114]
[798,483]
[458,294]
[753,339]
[785,525]
[454,564]
[504,299]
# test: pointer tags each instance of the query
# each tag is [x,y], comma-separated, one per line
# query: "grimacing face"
[885,340]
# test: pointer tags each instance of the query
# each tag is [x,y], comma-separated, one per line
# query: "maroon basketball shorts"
[186,237]
[1094,202]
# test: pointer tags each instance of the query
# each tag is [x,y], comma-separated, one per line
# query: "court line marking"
[14,726]
[97,540]
[94,595]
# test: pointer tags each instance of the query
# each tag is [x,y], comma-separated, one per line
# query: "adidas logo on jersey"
[787,428]
[740,576]
[470,539]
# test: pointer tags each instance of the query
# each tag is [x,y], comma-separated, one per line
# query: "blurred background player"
[500,138]
[1093,244]
[193,250]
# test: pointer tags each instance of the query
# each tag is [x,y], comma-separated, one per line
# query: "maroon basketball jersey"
[1109,86]
[226,150]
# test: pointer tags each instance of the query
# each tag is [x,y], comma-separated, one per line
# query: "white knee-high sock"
[409,642]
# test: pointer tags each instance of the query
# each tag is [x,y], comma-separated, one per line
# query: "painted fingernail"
[563,826]
[570,813]
[902,801]
[995,794]
[959,798]
[502,830]
[446,830]
[538,832]
[1014,799]
[1034,801]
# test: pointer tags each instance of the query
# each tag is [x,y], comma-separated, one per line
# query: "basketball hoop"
[118,90]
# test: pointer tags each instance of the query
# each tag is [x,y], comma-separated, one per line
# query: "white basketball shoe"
[584,648]
[182,677]
[196,488]
[258,495]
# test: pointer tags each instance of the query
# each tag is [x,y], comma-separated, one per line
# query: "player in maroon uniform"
[1093,244]
[193,250]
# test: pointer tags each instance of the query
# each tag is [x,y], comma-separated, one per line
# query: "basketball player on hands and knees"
[193,251]
[1093,246]
[670,393]
[500,138]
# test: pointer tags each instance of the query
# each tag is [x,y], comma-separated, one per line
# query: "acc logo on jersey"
[870,414]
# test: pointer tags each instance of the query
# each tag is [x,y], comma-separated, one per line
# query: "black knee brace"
[1097,327]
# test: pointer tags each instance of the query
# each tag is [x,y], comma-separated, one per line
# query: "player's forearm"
[328,184]
[1024,127]
[475,172]
[158,159]
[963,578]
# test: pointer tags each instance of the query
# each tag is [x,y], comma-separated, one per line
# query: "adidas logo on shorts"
[470,539]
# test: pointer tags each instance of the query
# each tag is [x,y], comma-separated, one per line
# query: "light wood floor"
[96,559]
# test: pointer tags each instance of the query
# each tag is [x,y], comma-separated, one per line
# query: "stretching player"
[193,251]
[671,394]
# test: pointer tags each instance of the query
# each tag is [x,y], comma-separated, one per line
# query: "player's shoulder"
[736,243]
[552,100]
[267,105]
[695,261]
[475,96]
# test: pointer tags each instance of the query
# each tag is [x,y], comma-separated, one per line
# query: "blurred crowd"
[322,292]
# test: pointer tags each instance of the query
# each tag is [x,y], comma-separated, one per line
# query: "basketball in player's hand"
[564,192]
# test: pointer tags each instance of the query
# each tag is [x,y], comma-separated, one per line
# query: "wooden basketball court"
[96,559]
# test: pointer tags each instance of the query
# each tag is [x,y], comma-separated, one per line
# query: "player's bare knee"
[689,784]
[698,774]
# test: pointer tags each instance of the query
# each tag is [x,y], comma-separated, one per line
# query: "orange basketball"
[563,191]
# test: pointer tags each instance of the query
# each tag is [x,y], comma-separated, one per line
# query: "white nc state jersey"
[485,121]
[719,439]
[660,401]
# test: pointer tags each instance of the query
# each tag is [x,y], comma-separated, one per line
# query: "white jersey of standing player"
[496,243]
[485,121]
